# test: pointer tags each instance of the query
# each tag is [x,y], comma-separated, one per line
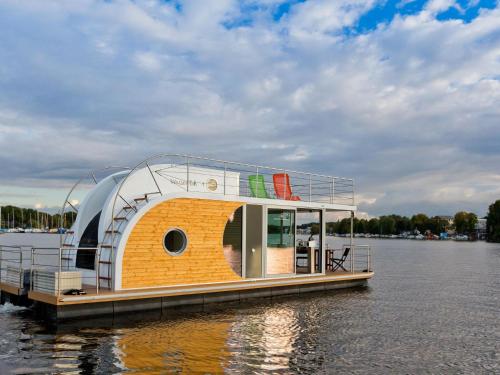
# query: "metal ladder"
[68,245]
[112,238]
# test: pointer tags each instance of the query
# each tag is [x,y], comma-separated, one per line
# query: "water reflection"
[229,340]
[263,341]
[188,346]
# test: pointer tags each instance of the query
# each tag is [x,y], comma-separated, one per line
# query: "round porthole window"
[175,241]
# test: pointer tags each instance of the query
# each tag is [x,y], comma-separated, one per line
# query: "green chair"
[258,186]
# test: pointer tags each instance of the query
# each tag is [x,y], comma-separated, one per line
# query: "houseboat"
[179,230]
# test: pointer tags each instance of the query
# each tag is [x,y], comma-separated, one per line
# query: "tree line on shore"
[493,222]
[463,222]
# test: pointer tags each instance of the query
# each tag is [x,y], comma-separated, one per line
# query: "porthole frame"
[185,242]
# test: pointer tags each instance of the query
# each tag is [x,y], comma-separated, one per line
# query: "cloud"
[410,109]
[315,18]
[435,6]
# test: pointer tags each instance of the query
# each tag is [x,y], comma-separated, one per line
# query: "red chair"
[282,187]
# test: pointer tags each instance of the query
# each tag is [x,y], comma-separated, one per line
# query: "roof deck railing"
[237,179]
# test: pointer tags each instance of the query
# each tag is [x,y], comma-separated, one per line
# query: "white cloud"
[436,6]
[311,18]
[147,61]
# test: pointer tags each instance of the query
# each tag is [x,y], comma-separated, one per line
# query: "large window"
[280,228]
[86,258]
[280,241]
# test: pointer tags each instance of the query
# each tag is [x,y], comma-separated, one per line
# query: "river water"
[432,307]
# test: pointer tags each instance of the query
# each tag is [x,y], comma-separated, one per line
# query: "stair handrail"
[91,174]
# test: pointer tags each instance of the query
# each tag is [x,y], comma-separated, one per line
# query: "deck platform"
[187,296]
[11,289]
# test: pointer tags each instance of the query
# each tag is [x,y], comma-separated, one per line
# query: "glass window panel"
[280,242]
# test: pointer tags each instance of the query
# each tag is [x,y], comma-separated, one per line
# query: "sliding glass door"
[308,252]
[280,252]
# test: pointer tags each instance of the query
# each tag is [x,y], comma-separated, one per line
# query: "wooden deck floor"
[186,290]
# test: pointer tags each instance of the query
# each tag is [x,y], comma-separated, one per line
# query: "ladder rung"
[112,231]
[68,245]
[66,258]
[107,246]
[70,232]
[120,218]
[128,208]
[105,278]
[141,199]
[105,262]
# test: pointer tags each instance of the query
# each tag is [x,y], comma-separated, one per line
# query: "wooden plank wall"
[147,264]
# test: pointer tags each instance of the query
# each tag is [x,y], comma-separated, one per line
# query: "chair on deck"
[337,263]
[258,186]
[282,187]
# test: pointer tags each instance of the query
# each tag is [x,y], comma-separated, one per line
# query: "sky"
[403,96]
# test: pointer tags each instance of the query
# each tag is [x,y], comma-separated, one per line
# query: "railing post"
[351,241]
[59,275]
[284,183]
[154,179]
[20,267]
[187,173]
[31,267]
[97,265]
[256,183]
[369,259]
[112,265]
[225,170]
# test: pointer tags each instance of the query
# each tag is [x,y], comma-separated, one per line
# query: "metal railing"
[89,180]
[54,271]
[359,258]
[233,178]
[50,270]
[14,265]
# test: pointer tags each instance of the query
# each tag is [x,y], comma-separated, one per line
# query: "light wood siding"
[147,264]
